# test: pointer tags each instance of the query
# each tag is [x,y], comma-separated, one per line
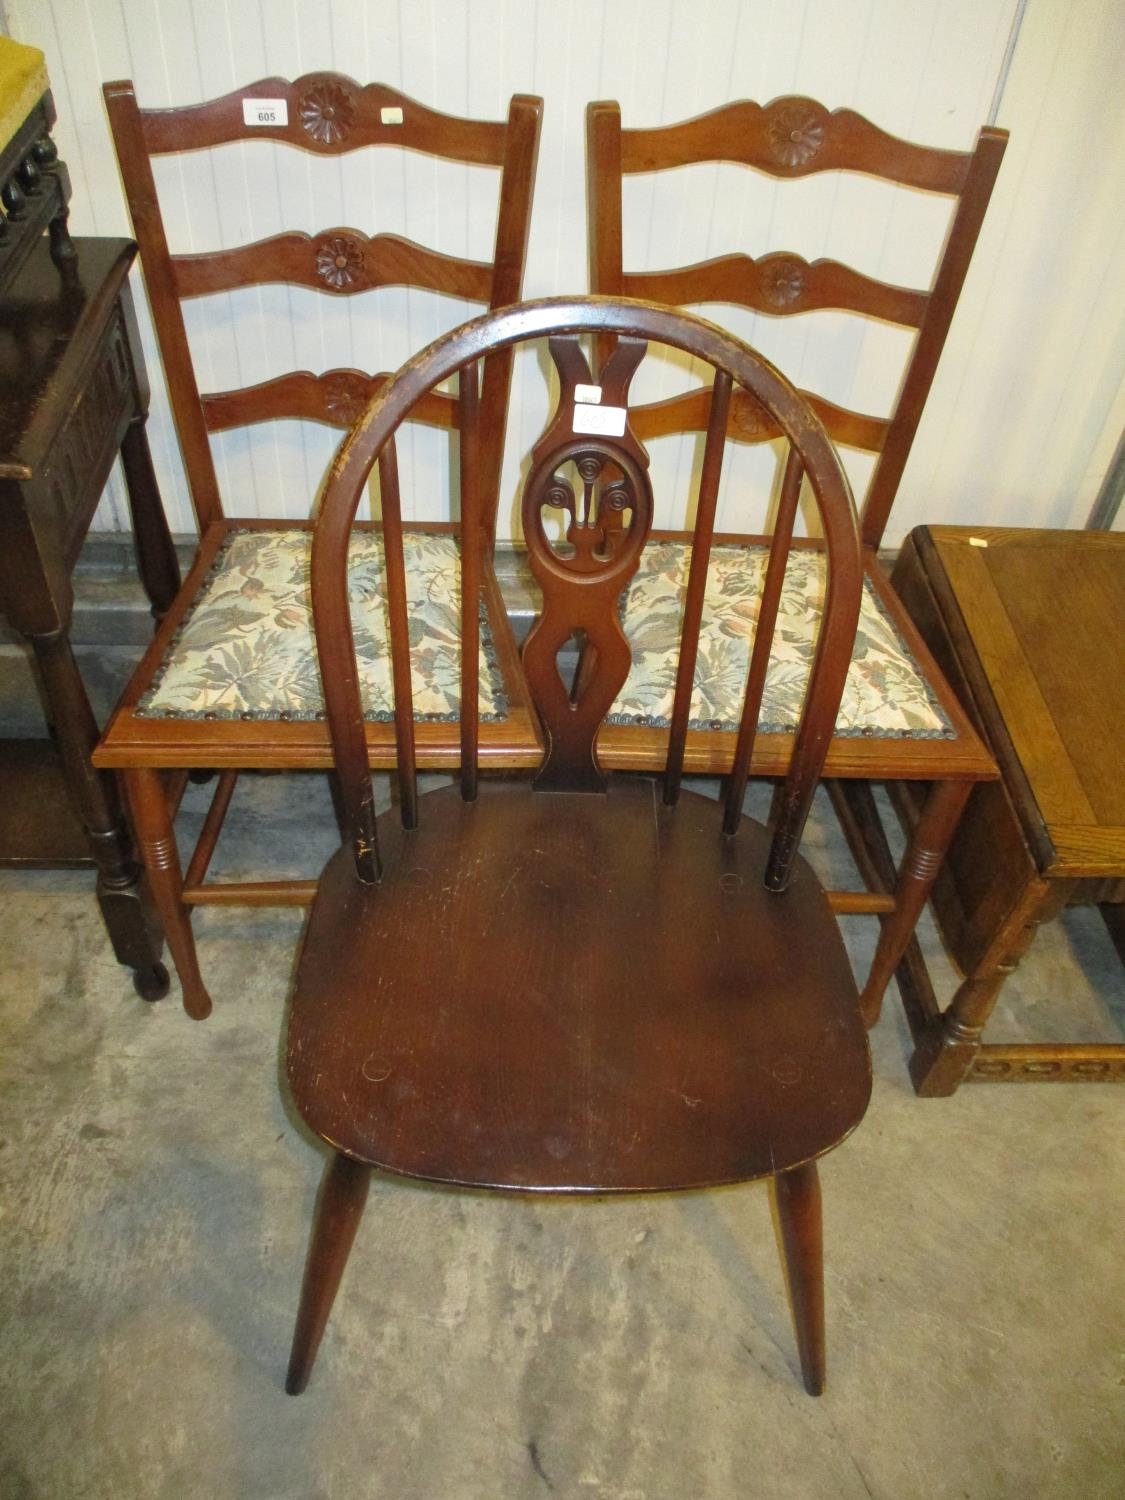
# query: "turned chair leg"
[921,861]
[797,1194]
[156,839]
[343,1194]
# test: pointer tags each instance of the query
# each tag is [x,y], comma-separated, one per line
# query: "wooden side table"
[1028,627]
[73,394]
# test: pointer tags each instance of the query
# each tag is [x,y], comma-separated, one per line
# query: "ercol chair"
[230,682]
[572,983]
[899,720]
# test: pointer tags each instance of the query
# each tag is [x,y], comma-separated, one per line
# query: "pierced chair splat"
[231,681]
[899,720]
[576,982]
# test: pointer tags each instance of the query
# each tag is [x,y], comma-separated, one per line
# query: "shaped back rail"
[326,114]
[593,474]
[789,138]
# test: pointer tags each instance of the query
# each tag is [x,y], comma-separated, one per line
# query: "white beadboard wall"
[1029,399]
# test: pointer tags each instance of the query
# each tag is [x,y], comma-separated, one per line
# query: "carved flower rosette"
[345,397]
[751,421]
[340,263]
[327,112]
[795,132]
[783,280]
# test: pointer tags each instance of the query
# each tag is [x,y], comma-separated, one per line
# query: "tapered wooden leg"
[343,1194]
[797,1194]
[920,864]
[152,818]
[156,555]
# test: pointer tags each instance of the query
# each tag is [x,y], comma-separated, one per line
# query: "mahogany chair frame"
[790,138]
[326,114]
[475,1102]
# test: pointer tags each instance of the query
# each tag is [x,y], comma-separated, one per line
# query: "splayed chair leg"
[798,1208]
[156,838]
[343,1194]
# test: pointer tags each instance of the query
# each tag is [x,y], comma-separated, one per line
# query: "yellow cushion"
[23,82]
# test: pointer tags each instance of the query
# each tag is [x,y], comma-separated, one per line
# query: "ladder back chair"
[231,682]
[899,720]
[572,982]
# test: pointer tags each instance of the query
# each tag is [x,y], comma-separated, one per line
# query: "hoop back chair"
[900,721]
[575,983]
[230,682]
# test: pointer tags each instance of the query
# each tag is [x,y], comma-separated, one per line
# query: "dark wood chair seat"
[639,1013]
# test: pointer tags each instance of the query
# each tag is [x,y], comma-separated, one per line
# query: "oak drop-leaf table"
[1027,626]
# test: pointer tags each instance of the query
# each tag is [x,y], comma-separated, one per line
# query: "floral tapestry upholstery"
[885,695]
[245,650]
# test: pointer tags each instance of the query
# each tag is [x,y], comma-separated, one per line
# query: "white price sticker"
[608,421]
[588,395]
[265,111]
[391,114]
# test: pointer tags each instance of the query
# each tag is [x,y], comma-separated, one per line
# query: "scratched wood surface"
[586,992]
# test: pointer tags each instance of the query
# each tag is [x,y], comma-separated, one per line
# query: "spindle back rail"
[608,516]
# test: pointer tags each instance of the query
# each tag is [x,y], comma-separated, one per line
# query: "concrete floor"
[157,1193]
